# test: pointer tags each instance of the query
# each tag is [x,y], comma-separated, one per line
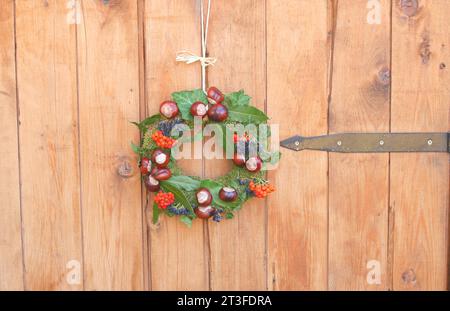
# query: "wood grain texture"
[108,66]
[179,256]
[238,41]
[358,183]
[11,268]
[46,80]
[297,58]
[420,182]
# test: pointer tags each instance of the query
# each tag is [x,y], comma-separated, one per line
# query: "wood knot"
[124,169]
[424,49]
[409,7]
[442,66]
[409,276]
[384,76]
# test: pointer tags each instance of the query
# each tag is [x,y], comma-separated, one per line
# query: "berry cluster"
[177,211]
[164,199]
[261,190]
[162,141]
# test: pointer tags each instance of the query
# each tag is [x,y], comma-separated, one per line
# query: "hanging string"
[189,57]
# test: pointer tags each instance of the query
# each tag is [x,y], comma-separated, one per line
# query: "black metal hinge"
[372,142]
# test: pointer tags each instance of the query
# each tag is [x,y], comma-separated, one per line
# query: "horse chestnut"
[199,109]
[253,164]
[169,109]
[215,94]
[204,197]
[218,112]
[151,184]
[161,173]
[204,212]
[160,158]
[146,166]
[239,159]
[227,194]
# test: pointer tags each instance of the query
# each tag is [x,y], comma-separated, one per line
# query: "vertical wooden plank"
[420,182]
[11,269]
[179,258]
[297,57]
[46,75]
[108,66]
[237,38]
[358,183]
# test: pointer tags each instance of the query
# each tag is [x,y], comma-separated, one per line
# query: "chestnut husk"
[215,94]
[195,107]
[253,160]
[161,173]
[156,156]
[168,109]
[145,166]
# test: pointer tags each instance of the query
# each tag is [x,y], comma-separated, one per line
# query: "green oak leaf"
[237,99]
[186,220]
[185,99]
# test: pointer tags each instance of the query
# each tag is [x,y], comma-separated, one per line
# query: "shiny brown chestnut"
[239,159]
[169,109]
[146,166]
[204,197]
[160,158]
[204,212]
[228,194]
[161,173]
[215,94]
[218,113]
[151,184]
[199,109]
[253,164]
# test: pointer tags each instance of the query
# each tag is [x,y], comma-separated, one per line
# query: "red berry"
[227,194]
[215,94]
[199,109]
[218,112]
[204,212]
[169,109]
[146,166]
[253,164]
[204,197]
[160,158]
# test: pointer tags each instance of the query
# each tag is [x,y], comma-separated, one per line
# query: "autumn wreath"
[191,197]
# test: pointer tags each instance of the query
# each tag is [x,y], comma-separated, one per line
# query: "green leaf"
[184,182]
[136,149]
[186,220]
[144,124]
[246,114]
[214,187]
[185,99]
[237,99]
[156,211]
[229,215]
[179,195]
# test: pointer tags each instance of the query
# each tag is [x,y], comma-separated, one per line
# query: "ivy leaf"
[184,182]
[186,220]
[185,99]
[246,114]
[214,187]
[237,99]
[156,211]
[179,195]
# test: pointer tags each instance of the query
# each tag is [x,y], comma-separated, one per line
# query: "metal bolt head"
[430,142]
[297,143]
[381,142]
[339,142]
